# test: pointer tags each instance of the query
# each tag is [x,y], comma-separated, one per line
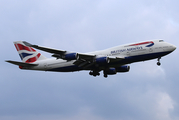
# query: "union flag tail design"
[27,54]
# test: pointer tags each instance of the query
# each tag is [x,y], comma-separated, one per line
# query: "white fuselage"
[134,52]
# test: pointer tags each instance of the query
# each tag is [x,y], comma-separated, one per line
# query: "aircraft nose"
[173,47]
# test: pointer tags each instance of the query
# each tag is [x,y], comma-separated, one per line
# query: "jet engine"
[70,56]
[102,60]
[124,68]
[110,71]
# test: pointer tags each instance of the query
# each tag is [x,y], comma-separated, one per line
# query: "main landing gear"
[158,63]
[94,73]
[105,75]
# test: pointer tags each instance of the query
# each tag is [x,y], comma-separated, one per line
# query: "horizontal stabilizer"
[21,63]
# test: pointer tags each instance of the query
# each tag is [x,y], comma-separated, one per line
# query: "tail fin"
[27,54]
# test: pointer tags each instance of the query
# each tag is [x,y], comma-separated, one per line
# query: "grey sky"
[146,92]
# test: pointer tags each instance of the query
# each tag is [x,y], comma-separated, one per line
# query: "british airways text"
[124,50]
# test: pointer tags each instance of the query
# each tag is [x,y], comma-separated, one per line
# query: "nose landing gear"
[158,63]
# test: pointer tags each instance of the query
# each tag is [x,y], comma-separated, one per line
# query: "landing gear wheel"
[105,75]
[98,74]
[94,73]
[90,73]
[158,63]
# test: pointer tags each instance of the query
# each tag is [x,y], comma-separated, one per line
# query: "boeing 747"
[110,61]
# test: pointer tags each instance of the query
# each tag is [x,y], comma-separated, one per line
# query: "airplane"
[111,61]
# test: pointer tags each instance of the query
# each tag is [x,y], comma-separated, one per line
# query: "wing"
[82,60]
[87,61]
[61,53]
[50,50]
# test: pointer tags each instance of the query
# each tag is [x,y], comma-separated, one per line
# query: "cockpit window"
[161,40]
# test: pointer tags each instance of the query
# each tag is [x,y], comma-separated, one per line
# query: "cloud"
[164,106]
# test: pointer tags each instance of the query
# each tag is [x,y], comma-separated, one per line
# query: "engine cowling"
[110,71]
[70,56]
[102,60]
[124,68]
